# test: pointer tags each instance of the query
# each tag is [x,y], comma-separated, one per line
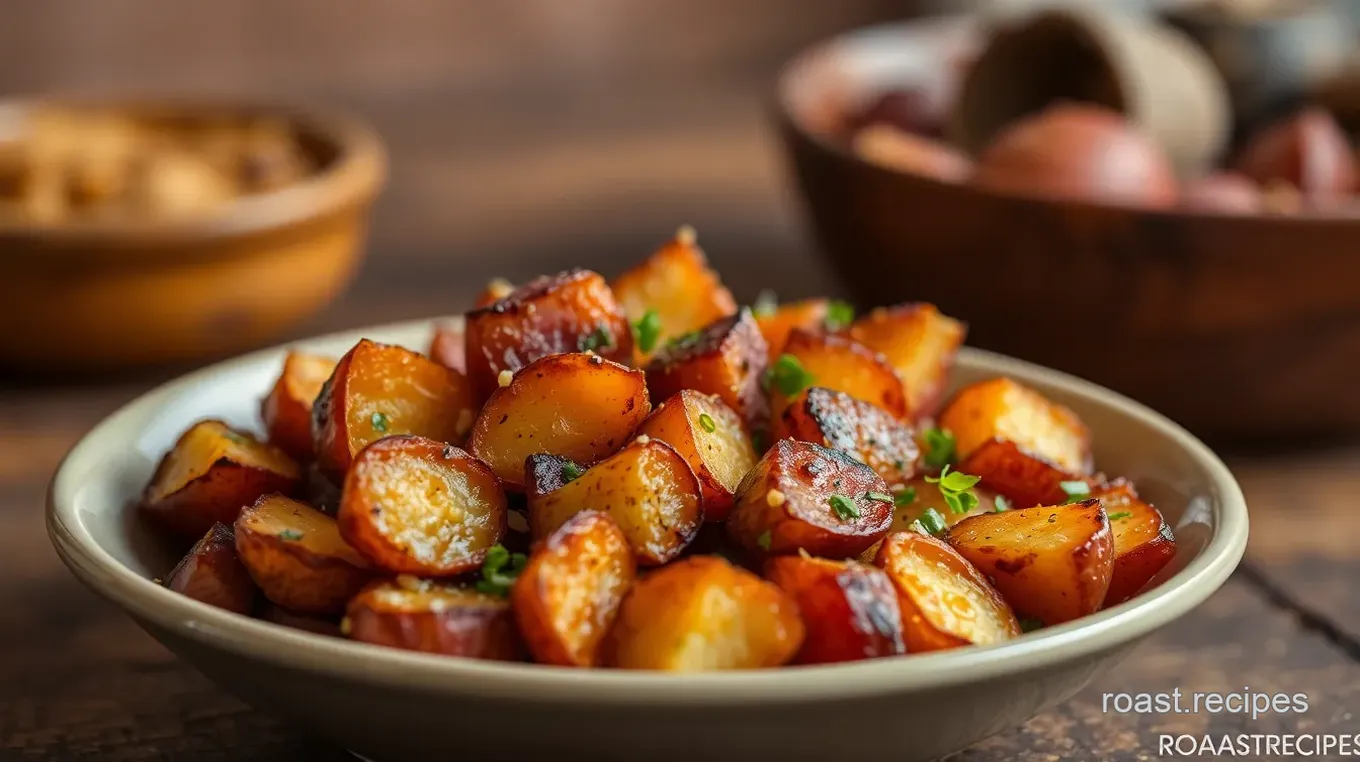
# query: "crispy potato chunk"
[1001,408]
[379,391]
[803,496]
[449,346]
[843,365]
[569,312]
[1143,541]
[296,555]
[1026,479]
[272,612]
[703,613]
[578,406]
[416,506]
[1053,563]
[850,610]
[920,344]
[677,283]
[568,596]
[211,473]
[917,496]
[287,410]
[775,326]
[855,427]
[212,573]
[945,601]
[725,358]
[647,488]
[711,438]
[420,615]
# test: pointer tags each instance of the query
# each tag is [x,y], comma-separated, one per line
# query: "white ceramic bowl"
[395,705]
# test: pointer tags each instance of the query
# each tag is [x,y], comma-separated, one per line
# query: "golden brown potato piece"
[416,506]
[855,427]
[272,612]
[920,344]
[379,391]
[449,346]
[1025,479]
[213,472]
[803,496]
[1001,408]
[577,405]
[646,488]
[776,325]
[287,411]
[725,359]
[212,573]
[703,613]
[566,599]
[711,438]
[420,615]
[572,311]
[1052,563]
[1143,542]
[677,283]
[945,601]
[838,363]
[850,610]
[297,557]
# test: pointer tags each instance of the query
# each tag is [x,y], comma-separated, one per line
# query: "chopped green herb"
[765,304]
[899,464]
[839,315]
[647,330]
[499,570]
[1029,624]
[957,489]
[881,497]
[570,472]
[932,521]
[290,534]
[760,441]
[598,339]
[905,498]
[940,448]
[379,421]
[1121,515]
[764,540]
[1002,504]
[707,423]
[685,339]
[844,507]
[1076,490]
[789,376]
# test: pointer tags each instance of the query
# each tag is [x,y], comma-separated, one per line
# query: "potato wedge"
[945,601]
[1052,563]
[803,496]
[287,410]
[568,596]
[211,473]
[420,615]
[918,496]
[855,427]
[416,506]
[1143,541]
[648,490]
[272,612]
[449,346]
[850,610]
[725,358]
[579,406]
[775,326]
[210,572]
[379,391]
[1001,408]
[569,312]
[920,344]
[841,364]
[297,557]
[703,613]
[710,436]
[677,283]
[1025,479]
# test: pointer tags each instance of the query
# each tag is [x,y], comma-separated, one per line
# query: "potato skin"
[1053,563]
[546,473]
[719,458]
[418,615]
[1001,408]
[1143,541]
[784,504]
[568,596]
[725,358]
[839,421]
[296,556]
[919,343]
[849,610]
[448,347]
[576,405]
[702,613]
[843,364]
[287,410]
[416,506]
[1025,479]
[550,315]
[809,314]
[678,284]
[212,573]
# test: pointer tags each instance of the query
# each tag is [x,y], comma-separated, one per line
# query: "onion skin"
[1309,151]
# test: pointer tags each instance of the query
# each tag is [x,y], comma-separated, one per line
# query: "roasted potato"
[1001,408]
[272,612]
[838,363]
[449,346]
[918,496]
[711,438]
[567,597]
[297,557]
[1052,563]
[379,391]
[546,473]
[678,285]
[945,601]
[495,290]
[855,427]
[803,496]
[1025,479]
[725,358]
[420,615]
[647,488]
[416,506]
[1143,542]
[702,613]
[579,406]
[849,610]
[319,491]
[212,472]
[572,311]
[212,573]
[775,325]
[287,410]
[920,344]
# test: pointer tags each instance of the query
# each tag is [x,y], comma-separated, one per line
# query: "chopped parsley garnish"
[598,339]
[957,489]
[647,330]
[1029,624]
[764,540]
[839,315]
[881,497]
[788,376]
[932,521]
[379,421]
[905,498]
[499,570]
[844,507]
[760,441]
[707,423]
[1076,490]
[1002,504]
[685,339]
[570,472]
[766,303]
[290,534]
[940,448]
[1121,515]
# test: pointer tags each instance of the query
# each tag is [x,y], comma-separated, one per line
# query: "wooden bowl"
[103,293]
[1236,326]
